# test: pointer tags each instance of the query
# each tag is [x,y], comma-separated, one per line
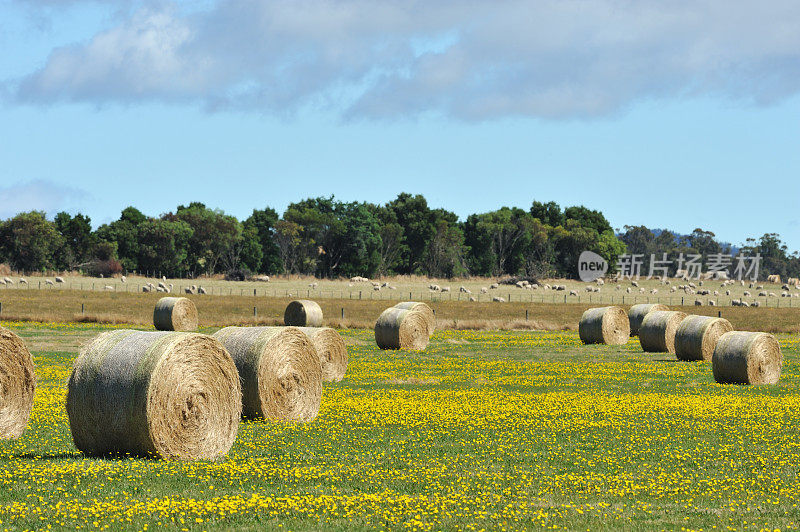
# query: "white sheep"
[201,290]
[48,281]
[22,280]
[59,279]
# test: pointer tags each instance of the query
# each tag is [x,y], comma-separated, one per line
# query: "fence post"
[81,308]
[255,312]
[526,314]
[342,312]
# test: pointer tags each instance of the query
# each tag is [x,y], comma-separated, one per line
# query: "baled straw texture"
[697,337]
[331,351]
[604,325]
[657,332]
[175,314]
[399,328]
[425,310]
[173,395]
[637,313]
[303,313]
[747,358]
[280,371]
[17,385]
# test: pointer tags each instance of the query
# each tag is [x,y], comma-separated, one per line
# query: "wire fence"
[507,295]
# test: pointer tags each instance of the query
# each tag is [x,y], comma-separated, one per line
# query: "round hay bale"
[173,395]
[331,351]
[425,310]
[747,358]
[637,313]
[657,332]
[175,314]
[697,337]
[17,385]
[399,328]
[280,371]
[303,313]
[604,325]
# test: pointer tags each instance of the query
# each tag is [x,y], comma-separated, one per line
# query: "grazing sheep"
[760,287]
[590,289]
[59,279]
[108,287]
[494,286]
[123,279]
[745,304]
[741,282]
[8,280]
[756,304]
[385,284]
[484,290]
[641,290]
[672,290]
[573,292]
[22,280]
[654,291]
[161,289]
[201,290]
[600,281]
[628,289]
[390,287]
[692,285]
[727,292]
[164,278]
[445,289]
[376,287]
[762,294]
[774,279]
[635,284]
[746,293]
[146,288]
[618,287]
[188,290]
[698,303]
[312,285]
[716,292]
[772,294]
[471,298]
[700,283]
[2,282]
[498,299]
[48,281]
[546,287]
[162,285]
[712,303]
[702,292]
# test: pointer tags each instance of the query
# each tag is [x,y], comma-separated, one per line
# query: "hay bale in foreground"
[697,337]
[303,313]
[425,310]
[637,313]
[173,395]
[17,385]
[657,332]
[175,314]
[280,371]
[331,351]
[604,325]
[399,328]
[747,358]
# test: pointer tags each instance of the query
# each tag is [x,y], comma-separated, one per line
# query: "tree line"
[328,238]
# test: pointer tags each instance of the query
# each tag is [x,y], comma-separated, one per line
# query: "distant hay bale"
[175,314]
[399,328]
[637,313]
[697,337]
[303,313]
[280,371]
[657,331]
[747,358]
[425,310]
[331,351]
[604,325]
[168,394]
[17,385]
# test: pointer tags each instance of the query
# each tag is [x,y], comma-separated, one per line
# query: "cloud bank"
[472,60]
[40,195]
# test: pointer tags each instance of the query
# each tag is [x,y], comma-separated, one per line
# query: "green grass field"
[483,430]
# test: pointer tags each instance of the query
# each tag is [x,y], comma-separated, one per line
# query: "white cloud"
[472,60]
[40,195]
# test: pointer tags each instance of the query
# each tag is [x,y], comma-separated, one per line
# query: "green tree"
[214,233]
[163,246]
[548,213]
[78,241]
[123,233]
[263,221]
[28,241]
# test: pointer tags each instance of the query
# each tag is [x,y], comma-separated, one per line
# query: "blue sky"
[677,116]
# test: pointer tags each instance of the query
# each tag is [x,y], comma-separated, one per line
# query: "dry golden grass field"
[64,305]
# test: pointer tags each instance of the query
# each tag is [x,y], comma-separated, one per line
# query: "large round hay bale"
[280,371]
[399,328]
[604,325]
[331,351]
[425,310]
[303,313]
[657,331]
[17,385]
[747,358]
[169,394]
[175,314]
[697,337]
[637,313]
